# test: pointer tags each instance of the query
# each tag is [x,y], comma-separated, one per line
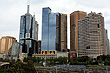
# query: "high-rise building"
[28,36]
[6,43]
[54,32]
[74,17]
[91,35]
[61,32]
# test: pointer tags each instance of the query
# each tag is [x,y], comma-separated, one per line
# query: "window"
[87,47]
[53,52]
[45,52]
[98,25]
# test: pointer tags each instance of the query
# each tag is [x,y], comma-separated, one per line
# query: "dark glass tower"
[28,36]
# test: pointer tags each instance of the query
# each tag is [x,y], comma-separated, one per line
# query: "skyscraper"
[28,33]
[54,31]
[74,17]
[61,32]
[91,36]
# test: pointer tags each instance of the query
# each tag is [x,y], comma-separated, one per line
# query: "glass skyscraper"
[28,33]
[50,32]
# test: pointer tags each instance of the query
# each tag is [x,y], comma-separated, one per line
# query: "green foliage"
[62,60]
[83,59]
[6,60]
[25,59]
[34,59]
[19,67]
[3,70]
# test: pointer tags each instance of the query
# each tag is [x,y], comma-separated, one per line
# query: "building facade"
[63,32]
[91,36]
[6,43]
[54,31]
[74,17]
[28,36]
[106,43]
[15,50]
[39,46]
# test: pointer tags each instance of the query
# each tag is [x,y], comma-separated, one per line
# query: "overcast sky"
[11,10]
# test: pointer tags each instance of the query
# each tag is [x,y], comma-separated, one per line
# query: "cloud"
[11,10]
[94,3]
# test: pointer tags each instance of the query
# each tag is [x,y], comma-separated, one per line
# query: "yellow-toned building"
[5,44]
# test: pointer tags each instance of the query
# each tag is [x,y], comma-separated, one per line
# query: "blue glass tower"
[51,31]
[28,33]
[48,30]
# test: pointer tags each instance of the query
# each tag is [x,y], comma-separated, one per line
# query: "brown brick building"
[74,17]
[61,32]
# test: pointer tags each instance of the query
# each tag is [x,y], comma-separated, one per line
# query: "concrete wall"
[62,54]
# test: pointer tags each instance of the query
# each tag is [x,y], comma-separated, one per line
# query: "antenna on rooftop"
[28,3]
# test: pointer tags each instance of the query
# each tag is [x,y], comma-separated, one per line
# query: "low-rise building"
[45,56]
[62,54]
[6,43]
[72,55]
[15,50]
[22,56]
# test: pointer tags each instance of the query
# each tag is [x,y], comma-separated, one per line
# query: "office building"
[28,36]
[15,50]
[46,56]
[91,35]
[6,43]
[54,32]
[74,17]
[63,32]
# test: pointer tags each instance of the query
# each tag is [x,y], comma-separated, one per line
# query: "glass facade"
[28,33]
[22,29]
[15,49]
[48,30]
[54,31]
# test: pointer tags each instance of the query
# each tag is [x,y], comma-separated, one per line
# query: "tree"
[62,60]
[33,59]
[38,59]
[20,67]
[25,59]
[100,60]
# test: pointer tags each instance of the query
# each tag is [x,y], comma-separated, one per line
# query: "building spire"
[28,3]
[28,9]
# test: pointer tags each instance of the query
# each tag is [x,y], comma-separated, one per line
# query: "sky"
[11,10]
